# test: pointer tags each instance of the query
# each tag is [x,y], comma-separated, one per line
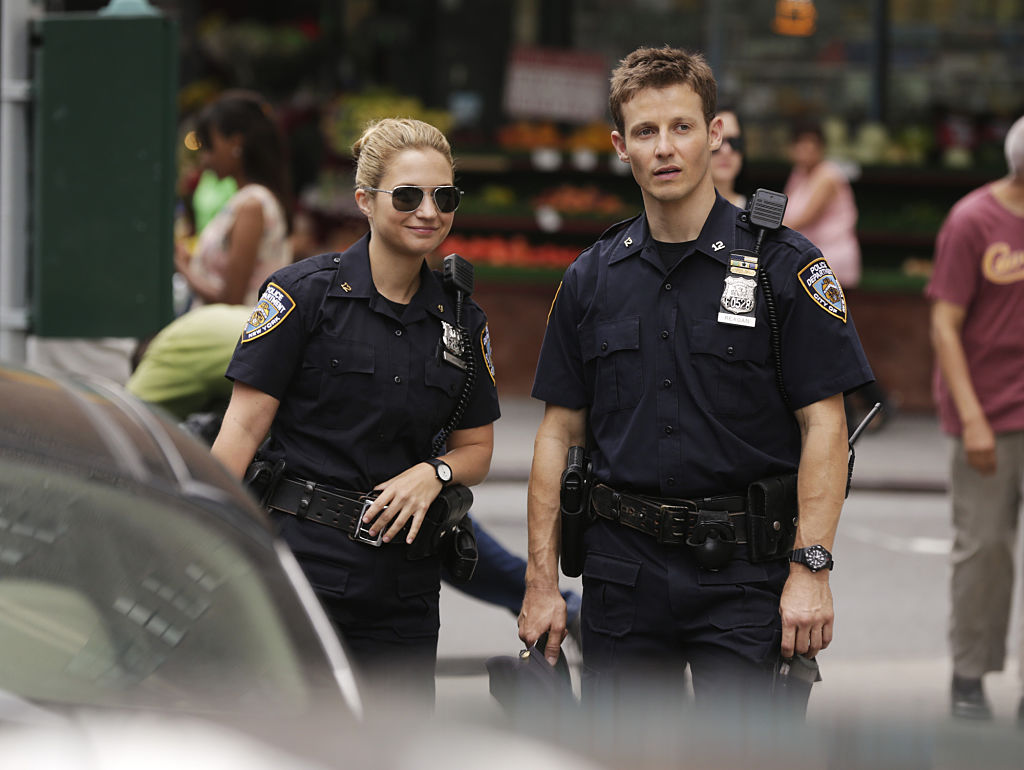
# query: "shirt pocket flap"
[336,356]
[447,377]
[612,336]
[731,343]
[611,569]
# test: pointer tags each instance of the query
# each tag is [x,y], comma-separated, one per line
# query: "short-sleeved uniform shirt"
[979,265]
[679,403]
[364,388]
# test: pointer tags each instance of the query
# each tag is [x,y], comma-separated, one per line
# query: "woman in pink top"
[248,238]
[821,204]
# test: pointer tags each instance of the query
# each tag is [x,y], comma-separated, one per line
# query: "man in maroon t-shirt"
[977,293]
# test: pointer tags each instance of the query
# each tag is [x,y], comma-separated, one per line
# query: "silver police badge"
[451,345]
[738,296]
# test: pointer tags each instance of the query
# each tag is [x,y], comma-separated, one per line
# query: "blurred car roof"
[135,571]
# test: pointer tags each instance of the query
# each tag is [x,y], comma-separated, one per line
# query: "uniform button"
[664,335]
[398,332]
[337,260]
[670,481]
[668,430]
[398,380]
[334,363]
[667,383]
[604,346]
[730,350]
[668,287]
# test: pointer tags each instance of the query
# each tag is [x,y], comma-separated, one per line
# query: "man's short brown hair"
[660,68]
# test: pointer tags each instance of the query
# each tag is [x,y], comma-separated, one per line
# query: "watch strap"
[437,463]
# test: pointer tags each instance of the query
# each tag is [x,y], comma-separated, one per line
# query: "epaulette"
[307,266]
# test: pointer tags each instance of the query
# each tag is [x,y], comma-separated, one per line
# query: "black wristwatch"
[814,557]
[442,469]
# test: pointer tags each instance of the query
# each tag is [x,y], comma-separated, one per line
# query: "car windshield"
[115,595]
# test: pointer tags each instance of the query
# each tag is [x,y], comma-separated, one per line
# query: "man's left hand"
[807,613]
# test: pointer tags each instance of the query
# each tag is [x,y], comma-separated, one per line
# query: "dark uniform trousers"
[649,612]
[385,607]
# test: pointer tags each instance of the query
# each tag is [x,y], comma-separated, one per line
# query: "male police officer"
[658,357]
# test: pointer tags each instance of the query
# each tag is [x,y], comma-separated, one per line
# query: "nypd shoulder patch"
[823,287]
[485,347]
[273,307]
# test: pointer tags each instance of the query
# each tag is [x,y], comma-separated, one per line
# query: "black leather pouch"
[460,556]
[772,517]
[261,479]
[440,525]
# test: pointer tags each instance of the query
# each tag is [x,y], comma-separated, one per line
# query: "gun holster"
[574,511]
[261,478]
[447,531]
[772,517]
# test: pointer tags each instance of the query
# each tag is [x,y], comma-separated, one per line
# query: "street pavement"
[889,658]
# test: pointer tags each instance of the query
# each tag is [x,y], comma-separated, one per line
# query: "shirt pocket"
[733,366]
[612,348]
[346,369]
[436,402]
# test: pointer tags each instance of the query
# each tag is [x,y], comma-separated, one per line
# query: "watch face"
[444,472]
[816,557]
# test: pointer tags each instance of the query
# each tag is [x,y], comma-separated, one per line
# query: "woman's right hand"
[403,498]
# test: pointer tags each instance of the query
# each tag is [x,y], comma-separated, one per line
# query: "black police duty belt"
[670,521]
[325,505]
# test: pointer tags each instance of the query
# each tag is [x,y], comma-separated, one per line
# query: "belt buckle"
[675,521]
[362,533]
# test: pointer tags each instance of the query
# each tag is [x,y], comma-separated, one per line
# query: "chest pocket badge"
[452,349]
[738,296]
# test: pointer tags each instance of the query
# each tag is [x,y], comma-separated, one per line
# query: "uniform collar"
[353,280]
[717,237]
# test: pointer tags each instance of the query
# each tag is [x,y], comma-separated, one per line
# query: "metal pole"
[15,97]
[880,62]
[713,31]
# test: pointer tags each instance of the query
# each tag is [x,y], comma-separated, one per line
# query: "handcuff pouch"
[445,520]
[772,516]
[712,540]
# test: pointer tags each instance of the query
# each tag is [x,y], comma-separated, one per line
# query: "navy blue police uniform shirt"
[362,388]
[680,404]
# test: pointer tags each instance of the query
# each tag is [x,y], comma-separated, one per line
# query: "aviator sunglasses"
[408,197]
[736,142]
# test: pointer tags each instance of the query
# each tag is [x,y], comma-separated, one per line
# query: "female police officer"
[353,363]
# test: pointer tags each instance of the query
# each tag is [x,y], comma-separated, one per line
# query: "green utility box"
[104,175]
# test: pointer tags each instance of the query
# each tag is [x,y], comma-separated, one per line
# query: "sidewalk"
[909,454]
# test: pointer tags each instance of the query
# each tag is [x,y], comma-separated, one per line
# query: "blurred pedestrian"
[822,207]
[181,369]
[977,294]
[357,365]
[647,362]
[247,239]
[727,160]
